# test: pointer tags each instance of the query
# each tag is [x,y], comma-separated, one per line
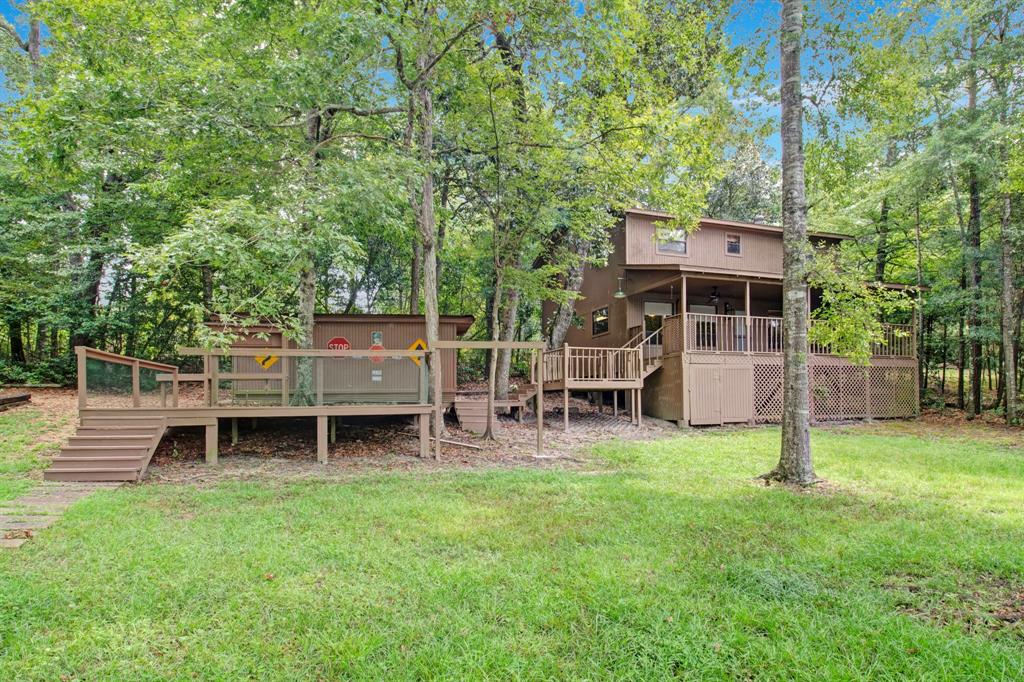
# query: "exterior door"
[720,393]
[655,313]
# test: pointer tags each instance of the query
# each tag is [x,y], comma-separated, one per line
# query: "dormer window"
[672,242]
[733,246]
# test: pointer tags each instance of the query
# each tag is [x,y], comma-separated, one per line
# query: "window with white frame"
[672,242]
[733,246]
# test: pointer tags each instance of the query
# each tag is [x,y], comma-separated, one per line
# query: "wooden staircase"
[472,409]
[116,448]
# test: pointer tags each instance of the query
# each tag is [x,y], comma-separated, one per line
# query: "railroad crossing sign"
[266,361]
[418,344]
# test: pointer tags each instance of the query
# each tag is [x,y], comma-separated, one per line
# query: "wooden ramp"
[109,448]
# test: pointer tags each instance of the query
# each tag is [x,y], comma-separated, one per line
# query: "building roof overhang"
[735,224]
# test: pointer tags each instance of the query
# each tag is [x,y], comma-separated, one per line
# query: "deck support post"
[321,439]
[333,436]
[565,409]
[538,376]
[83,387]
[639,407]
[615,403]
[234,430]
[424,429]
[211,442]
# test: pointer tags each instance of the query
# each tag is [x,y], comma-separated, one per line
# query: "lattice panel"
[767,392]
[893,391]
[837,392]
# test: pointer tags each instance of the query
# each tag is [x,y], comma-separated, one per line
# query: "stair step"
[103,450]
[91,474]
[118,431]
[113,462]
[139,440]
[121,421]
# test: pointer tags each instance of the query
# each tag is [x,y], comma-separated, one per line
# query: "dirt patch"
[943,424]
[286,448]
[58,408]
[821,487]
[983,605]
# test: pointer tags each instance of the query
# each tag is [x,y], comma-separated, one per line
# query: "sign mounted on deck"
[418,344]
[377,343]
[266,361]
[339,343]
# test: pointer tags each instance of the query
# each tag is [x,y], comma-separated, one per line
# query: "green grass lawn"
[661,560]
[22,449]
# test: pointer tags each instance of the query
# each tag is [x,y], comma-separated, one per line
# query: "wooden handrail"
[84,353]
[303,352]
[712,333]
[107,356]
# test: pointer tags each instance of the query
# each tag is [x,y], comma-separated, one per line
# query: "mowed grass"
[22,450]
[661,560]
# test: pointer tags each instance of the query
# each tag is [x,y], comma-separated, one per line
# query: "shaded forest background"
[168,161]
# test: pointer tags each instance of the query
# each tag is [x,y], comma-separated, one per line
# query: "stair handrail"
[647,342]
[83,353]
[632,343]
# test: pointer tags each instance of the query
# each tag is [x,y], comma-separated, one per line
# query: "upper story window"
[599,321]
[733,246]
[672,242]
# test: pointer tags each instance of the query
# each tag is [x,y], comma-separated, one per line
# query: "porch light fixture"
[619,293]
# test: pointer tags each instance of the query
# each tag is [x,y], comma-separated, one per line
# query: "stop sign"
[339,343]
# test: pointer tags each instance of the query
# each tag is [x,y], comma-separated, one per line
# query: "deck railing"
[122,381]
[311,377]
[577,364]
[732,334]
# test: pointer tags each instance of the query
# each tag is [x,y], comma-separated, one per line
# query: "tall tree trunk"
[415,277]
[882,250]
[1009,302]
[17,342]
[961,363]
[426,220]
[974,248]
[563,316]
[922,366]
[305,393]
[795,464]
[492,360]
[945,360]
[509,321]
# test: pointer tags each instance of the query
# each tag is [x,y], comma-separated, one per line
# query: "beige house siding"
[761,252]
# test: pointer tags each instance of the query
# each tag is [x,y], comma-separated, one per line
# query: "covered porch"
[700,313]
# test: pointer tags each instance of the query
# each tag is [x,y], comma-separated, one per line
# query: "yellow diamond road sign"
[418,344]
[266,361]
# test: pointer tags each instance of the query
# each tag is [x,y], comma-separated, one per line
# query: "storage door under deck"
[720,393]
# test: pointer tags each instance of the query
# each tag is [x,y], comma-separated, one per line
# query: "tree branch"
[8,28]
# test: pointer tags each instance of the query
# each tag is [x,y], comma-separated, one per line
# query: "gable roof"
[718,222]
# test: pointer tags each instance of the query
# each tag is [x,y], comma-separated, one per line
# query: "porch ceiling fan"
[713,297]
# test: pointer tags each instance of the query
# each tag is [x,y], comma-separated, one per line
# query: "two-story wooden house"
[702,311]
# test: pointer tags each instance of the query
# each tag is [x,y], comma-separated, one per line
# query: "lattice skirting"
[840,390]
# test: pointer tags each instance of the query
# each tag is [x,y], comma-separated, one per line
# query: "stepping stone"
[24,522]
[40,508]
